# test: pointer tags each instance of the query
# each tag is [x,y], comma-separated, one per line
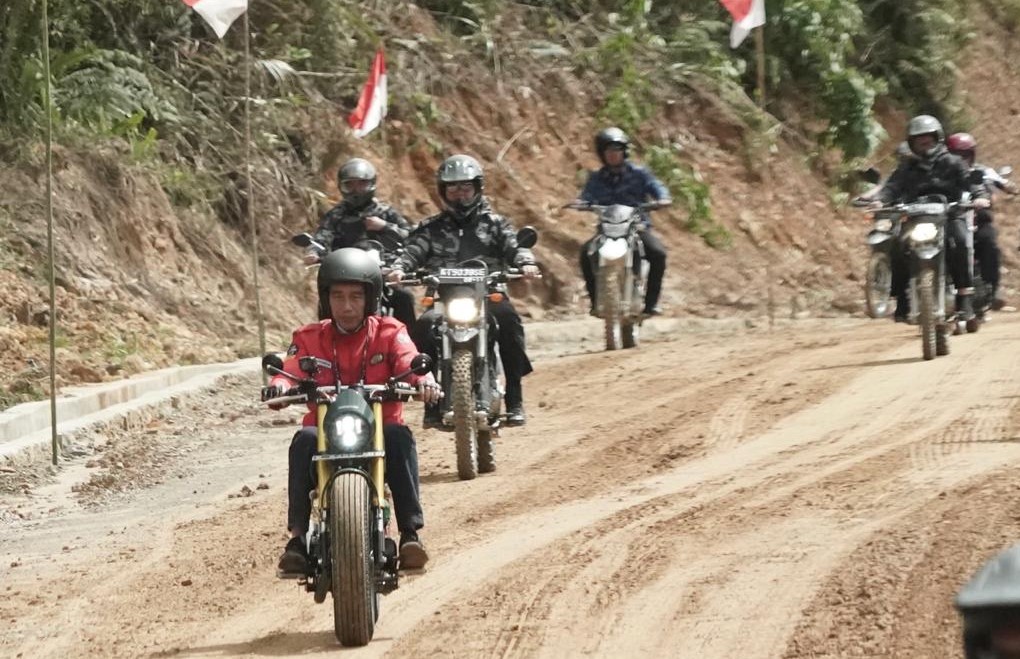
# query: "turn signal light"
[495,297]
[428,301]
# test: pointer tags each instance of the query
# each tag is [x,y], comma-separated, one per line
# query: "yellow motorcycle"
[349,552]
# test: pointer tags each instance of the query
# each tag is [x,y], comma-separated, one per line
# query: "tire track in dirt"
[715,644]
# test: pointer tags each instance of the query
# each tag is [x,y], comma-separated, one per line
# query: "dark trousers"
[401,474]
[510,337]
[655,254]
[402,302]
[957,264]
[986,249]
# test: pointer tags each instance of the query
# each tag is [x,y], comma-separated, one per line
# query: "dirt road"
[817,491]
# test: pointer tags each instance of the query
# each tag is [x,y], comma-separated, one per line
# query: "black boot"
[514,400]
[433,416]
[412,552]
[964,307]
[294,559]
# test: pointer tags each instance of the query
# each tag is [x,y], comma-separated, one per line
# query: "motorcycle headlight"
[349,432]
[883,225]
[462,310]
[924,232]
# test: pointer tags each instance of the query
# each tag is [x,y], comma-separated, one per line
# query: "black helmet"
[609,136]
[925,124]
[350,264]
[458,169]
[990,601]
[356,169]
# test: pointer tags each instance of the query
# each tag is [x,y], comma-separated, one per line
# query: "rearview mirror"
[527,237]
[1004,171]
[271,359]
[870,175]
[302,240]
[421,364]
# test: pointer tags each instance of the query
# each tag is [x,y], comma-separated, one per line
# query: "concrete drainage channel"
[25,429]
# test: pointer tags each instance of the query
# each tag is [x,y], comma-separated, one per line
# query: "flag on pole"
[219,14]
[747,15]
[372,104]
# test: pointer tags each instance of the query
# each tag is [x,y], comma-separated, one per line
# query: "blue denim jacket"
[630,185]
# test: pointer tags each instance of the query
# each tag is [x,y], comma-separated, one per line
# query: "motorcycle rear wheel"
[465,426]
[877,285]
[354,598]
[609,301]
[926,312]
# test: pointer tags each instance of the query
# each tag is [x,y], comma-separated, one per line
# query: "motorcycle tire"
[877,285]
[926,312]
[942,340]
[352,563]
[465,426]
[609,301]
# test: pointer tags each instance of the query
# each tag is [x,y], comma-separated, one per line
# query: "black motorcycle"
[469,369]
[350,554]
[922,228]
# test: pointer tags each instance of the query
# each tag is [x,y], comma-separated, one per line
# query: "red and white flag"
[747,15]
[219,14]
[372,104]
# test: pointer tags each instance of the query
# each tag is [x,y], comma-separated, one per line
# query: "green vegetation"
[690,189]
[151,74]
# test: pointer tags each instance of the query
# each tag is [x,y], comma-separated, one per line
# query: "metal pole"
[251,187]
[48,107]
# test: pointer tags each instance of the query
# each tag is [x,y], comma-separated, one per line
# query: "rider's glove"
[272,391]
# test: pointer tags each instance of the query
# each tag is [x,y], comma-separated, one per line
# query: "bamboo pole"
[48,107]
[251,187]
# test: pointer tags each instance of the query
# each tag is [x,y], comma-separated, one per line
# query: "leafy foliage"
[688,187]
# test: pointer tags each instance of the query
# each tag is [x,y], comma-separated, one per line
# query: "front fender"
[613,249]
[927,252]
[463,334]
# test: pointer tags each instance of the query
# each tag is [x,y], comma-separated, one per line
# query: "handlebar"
[401,391]
[594,208]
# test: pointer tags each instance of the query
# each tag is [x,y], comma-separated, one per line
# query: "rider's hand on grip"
[271,392]
[395,276]
[429,391]
[531,271]
[982,203]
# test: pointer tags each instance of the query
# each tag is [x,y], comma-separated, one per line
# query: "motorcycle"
[922,237]
[983,294]
[469,369]
[350,553]
[621,271]
[388,306]
[882,239]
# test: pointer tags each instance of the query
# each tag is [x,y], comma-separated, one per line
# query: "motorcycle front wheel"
[465,426]
[353,569]
[926,312]
[877,285]
[609,300]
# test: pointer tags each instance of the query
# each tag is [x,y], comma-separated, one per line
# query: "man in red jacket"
[358,346]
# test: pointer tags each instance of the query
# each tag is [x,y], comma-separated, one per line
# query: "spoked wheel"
[878,285]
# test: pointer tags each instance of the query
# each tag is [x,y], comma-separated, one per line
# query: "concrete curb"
[25,429]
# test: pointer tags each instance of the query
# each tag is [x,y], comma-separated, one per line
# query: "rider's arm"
[589,194]
[892,189]
[402,351]
[510,251]
[417,248]
[396,224]
[327,227]
[655,188]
